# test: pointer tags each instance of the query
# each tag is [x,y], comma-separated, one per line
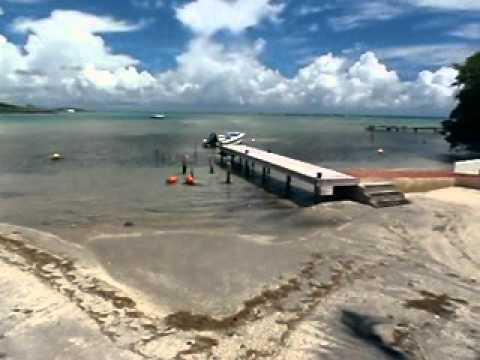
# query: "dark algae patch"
[184,320]
[441,305]
[122,322]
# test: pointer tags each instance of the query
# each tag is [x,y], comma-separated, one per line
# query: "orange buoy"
[172,180]
[190,180]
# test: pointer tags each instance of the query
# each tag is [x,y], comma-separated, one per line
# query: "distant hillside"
[30,109]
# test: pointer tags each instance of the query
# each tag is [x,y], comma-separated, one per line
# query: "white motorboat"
[229,138]
[158,116]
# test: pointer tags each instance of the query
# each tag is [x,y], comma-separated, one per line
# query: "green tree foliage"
[463,128]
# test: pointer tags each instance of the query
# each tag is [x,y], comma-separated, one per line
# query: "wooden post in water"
[247,165]
[288,185]
[268,168]
[184,164]
[229,173]
[210,164]
[264,175]
[317,189]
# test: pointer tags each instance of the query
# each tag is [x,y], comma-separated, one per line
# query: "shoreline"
[405,264]
[417,180]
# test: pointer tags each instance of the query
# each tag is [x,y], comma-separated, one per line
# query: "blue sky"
[250,54]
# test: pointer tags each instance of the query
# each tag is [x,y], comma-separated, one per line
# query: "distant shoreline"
[6,108]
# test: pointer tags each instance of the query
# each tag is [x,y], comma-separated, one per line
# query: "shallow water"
[111,176]
[112,173]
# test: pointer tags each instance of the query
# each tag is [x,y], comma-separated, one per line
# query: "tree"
[463,128]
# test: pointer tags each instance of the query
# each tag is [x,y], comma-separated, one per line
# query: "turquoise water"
[111,173]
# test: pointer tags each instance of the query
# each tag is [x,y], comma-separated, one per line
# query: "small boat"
[158,116]
[56,157]
[229,138]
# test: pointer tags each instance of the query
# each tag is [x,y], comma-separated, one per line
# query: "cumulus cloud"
[2,12]
[75,37]
[65,61]
[206,17]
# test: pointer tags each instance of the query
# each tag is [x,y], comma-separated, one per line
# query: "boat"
[158,116]
[229,138]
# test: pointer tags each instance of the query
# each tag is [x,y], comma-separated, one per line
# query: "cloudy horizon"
[375,57]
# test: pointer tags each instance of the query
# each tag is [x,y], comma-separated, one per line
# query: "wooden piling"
[210,164]
[288,185]
[317,189]
[184,164]
[229,173]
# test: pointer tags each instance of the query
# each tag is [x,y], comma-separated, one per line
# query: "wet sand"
[363,283]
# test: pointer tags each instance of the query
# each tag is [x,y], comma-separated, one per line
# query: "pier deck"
[322,178]
[398,128]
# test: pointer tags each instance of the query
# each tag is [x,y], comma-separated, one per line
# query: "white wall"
[471,167]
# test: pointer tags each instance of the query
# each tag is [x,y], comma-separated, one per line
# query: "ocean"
[111,175]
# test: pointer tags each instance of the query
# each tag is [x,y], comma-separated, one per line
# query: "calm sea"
[183,235]
[111,172]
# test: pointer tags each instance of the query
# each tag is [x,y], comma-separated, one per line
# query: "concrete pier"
[324,180]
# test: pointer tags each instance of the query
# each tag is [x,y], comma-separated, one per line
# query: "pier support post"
[222,159]
[210,164]
[317,189]
[184,164]
[229,173]
[264,175]
[288,185]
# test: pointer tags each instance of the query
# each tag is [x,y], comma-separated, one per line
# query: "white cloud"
[147,4]
[206,17]
[306,10]
[86,72]
[448,4]
[75,33]
[2,12]
[468,31]
[74,23]
[314,28]
[432,54]
[26,1]
[365,13]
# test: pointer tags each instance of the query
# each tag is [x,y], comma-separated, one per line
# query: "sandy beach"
[399,282]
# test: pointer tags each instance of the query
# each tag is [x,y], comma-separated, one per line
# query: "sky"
[321,56]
